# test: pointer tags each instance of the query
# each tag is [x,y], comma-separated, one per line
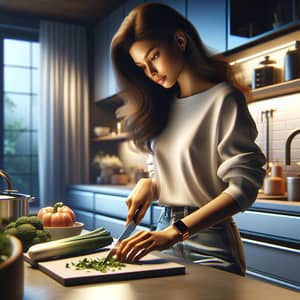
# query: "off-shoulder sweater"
[207,148]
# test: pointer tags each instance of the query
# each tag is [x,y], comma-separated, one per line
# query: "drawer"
[114,226]
[115,206]
[80,199]
[85,217]
[275,226]
[272,262]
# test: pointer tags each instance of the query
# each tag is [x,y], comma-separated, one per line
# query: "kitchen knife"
[125,234]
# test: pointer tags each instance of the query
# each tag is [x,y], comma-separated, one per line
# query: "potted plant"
[107,166]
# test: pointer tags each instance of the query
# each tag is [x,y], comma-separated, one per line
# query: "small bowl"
[12,272]
[100,131]
[65,231]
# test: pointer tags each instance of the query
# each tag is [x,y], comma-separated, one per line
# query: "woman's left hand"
[143,242]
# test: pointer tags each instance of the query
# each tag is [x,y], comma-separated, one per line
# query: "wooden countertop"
[198,283]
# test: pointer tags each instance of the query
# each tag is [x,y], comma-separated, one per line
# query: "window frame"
[17,33]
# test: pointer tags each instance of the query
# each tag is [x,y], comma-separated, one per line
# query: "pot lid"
[6,197]
[267,61]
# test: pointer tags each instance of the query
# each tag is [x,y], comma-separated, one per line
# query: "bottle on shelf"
[292,63]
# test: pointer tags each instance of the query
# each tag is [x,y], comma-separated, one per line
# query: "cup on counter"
[293,188]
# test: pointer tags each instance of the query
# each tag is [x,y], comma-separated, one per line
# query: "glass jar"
[265,75]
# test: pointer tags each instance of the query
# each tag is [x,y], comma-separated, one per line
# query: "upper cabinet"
[105,84]
[101,61]
[209,18]
[252,19]
[178,5]
[114,21]
[130,4]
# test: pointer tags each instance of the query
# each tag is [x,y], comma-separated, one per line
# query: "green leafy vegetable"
[98,264]
[29,229]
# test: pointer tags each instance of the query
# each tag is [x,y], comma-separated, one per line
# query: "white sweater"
[208,147]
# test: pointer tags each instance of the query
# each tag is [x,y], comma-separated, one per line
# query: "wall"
[286,118]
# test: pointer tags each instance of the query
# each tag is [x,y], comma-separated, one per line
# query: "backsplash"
[285,118]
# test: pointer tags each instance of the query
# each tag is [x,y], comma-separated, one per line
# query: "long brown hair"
[147,104]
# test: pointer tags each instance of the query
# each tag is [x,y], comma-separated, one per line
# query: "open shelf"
[275,90]
[112,137]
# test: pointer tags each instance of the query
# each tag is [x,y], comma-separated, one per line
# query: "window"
[20,103]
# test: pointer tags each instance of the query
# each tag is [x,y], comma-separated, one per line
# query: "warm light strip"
[263,53]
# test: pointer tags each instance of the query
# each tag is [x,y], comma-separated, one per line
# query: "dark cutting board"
[149,266]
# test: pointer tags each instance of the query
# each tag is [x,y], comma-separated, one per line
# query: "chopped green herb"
[98,264]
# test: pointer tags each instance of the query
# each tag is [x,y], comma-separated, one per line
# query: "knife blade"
[124,235]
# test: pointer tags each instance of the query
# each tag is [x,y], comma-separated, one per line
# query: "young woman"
[183,107]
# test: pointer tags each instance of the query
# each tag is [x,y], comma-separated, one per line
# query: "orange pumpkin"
[57,216]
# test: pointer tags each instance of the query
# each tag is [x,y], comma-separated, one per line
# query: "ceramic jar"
[274,184]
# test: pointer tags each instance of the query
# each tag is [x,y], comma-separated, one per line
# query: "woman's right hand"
[141,197]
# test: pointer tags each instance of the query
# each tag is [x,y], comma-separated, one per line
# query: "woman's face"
[162,62]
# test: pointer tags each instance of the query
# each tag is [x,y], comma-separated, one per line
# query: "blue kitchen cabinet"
[130,4]
[278,227]
[87,218]
[210,19]
[105,83]
[104,206]
[114,226]
[179,5]
[83,200]
[250,20]
[114,22]
[114,206]
[272,246]
[274,263]
[101,61]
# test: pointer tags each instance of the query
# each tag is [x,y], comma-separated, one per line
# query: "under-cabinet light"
[289,44]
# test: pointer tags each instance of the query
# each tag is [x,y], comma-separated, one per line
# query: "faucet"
[4,175]
[288,146]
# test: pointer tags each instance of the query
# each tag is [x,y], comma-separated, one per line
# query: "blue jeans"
[219,246]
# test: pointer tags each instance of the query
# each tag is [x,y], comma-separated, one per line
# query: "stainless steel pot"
[12,203]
